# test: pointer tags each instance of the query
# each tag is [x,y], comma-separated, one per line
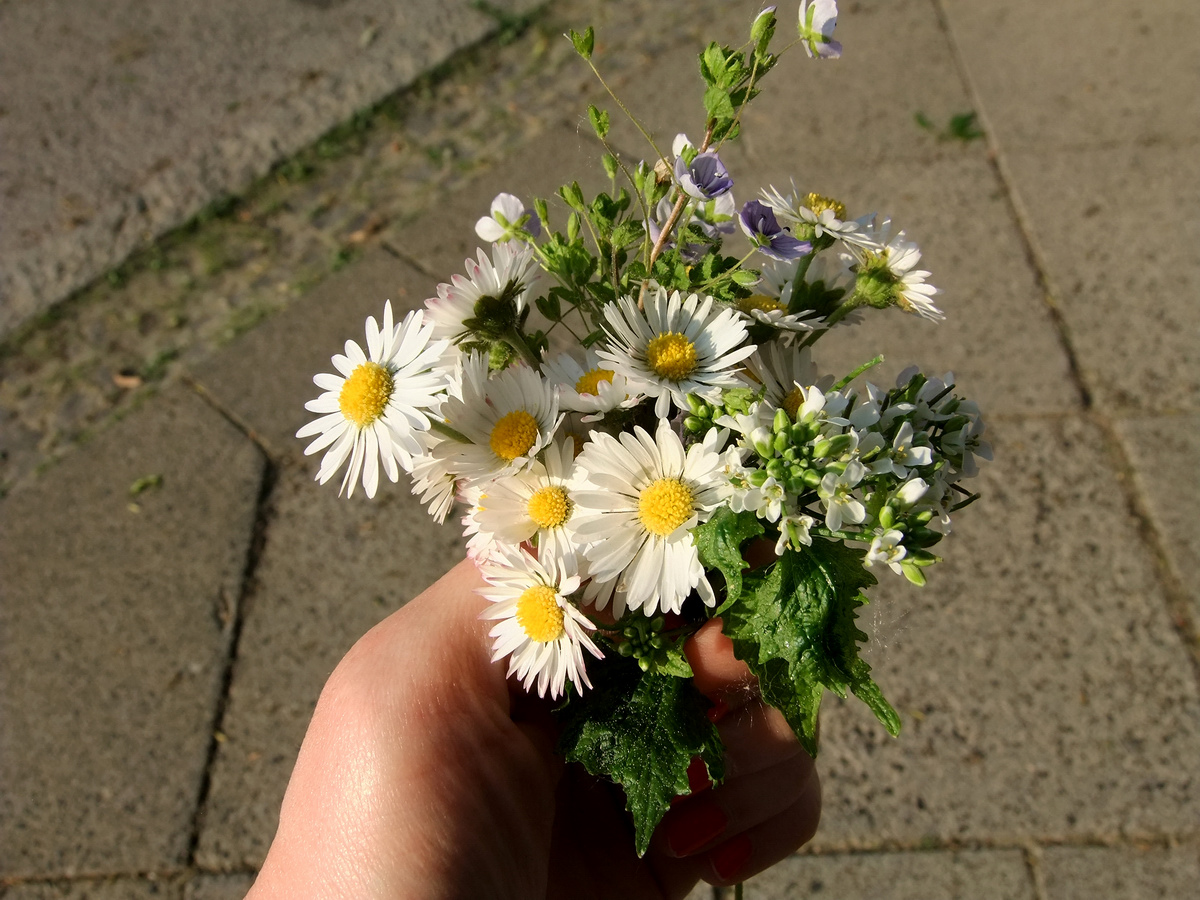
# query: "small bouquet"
[635,427]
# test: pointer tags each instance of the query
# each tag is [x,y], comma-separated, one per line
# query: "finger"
[757,737]
[757,849]
[701,822]
[717,673]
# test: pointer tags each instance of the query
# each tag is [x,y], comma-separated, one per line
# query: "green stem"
[801,272]
[632,118]
[446,431]
[728,272]
[514,339]
[864,367]
[851,304]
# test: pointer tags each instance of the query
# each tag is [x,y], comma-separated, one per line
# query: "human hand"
[426,774]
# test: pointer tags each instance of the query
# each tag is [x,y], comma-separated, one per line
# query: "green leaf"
[797,633]
[572,195]
[610,165]
[584,43]
[712,64]
[549,307]
[641,730]
[718,105]
[628,232]
[746,277]
[719,543]
[599,120]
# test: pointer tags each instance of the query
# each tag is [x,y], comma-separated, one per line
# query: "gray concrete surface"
[1048,675]
[121,120]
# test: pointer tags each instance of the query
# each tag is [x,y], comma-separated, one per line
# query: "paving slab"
[967,875]
[331,569]
[1121,873]
[998,337]
[124,120]
[218,887]
[103,889]
[1165,455]
[1043,690]
[862,108]
[1082,72]
[265,377]
[1127,291]
[115,613]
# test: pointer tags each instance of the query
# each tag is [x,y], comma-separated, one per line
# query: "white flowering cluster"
[634,427]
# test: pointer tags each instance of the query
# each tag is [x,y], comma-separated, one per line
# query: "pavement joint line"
[273,456]
[1021,216]
[1033,865]
[263,514]
[1175,595]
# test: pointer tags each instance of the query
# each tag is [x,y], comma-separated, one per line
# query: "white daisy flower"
[641,497]
[677,346]
[784,373]
[539,629]
[533,503]
[824,215]
[588,387]
[375,408]
[767,310]
[504,279]
[506,421]
[894,259]
[432,482]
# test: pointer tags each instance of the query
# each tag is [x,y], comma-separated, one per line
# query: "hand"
[426,774]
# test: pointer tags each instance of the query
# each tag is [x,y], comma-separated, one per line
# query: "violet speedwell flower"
[508,214]
[705,177]
[817,21]
[759,222]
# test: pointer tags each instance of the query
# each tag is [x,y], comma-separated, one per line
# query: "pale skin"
[426,774]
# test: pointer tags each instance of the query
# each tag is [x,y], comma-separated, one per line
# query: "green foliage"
[641,730]
[599,119]
[719,543]
[584,43]
[797,633]
[961,127]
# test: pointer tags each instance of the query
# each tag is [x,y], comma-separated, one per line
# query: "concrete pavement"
[175,592]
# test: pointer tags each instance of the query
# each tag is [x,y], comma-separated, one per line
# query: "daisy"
[588,387]
[675,347]
[374,409]
[495,288]
[784,373]
[640,499]
[766,310]
[538,627]
[536,503]
[891,262]
[818,214]
[504,422]
[432,482]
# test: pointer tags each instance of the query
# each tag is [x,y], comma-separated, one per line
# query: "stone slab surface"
[861,108]
[265,377]
[218,887]
[114,626]
[108,889]
[1043,690]
[1121,873]
[1127,292]
[123,120]
[1078,72]
[330,570]
[968,875]
[1165,455]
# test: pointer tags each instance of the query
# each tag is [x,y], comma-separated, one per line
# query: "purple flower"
[705,178]
[765,233]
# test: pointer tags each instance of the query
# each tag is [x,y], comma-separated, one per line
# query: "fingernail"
[697,773]
[717,711]
[699,827]
[731,857]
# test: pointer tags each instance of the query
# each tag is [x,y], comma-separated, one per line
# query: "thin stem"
[728,272]
[738,118]
[632,118]
[514,339]
[446,431]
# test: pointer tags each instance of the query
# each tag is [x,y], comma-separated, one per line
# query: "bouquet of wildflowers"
[634,427]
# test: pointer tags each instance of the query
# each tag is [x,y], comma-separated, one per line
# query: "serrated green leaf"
[719,544]
[584,43]
[641,730]
[712,64]
[797,633]
[628,232]
[718,105]
[676,664]
[599,119]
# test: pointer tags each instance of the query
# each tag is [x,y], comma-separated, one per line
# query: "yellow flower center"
[513,435]
[589,382]
[761,303]
[539,615]
[792,402]
[818,204]
[665,505]
[549,506]
[672,356]
[366,393]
